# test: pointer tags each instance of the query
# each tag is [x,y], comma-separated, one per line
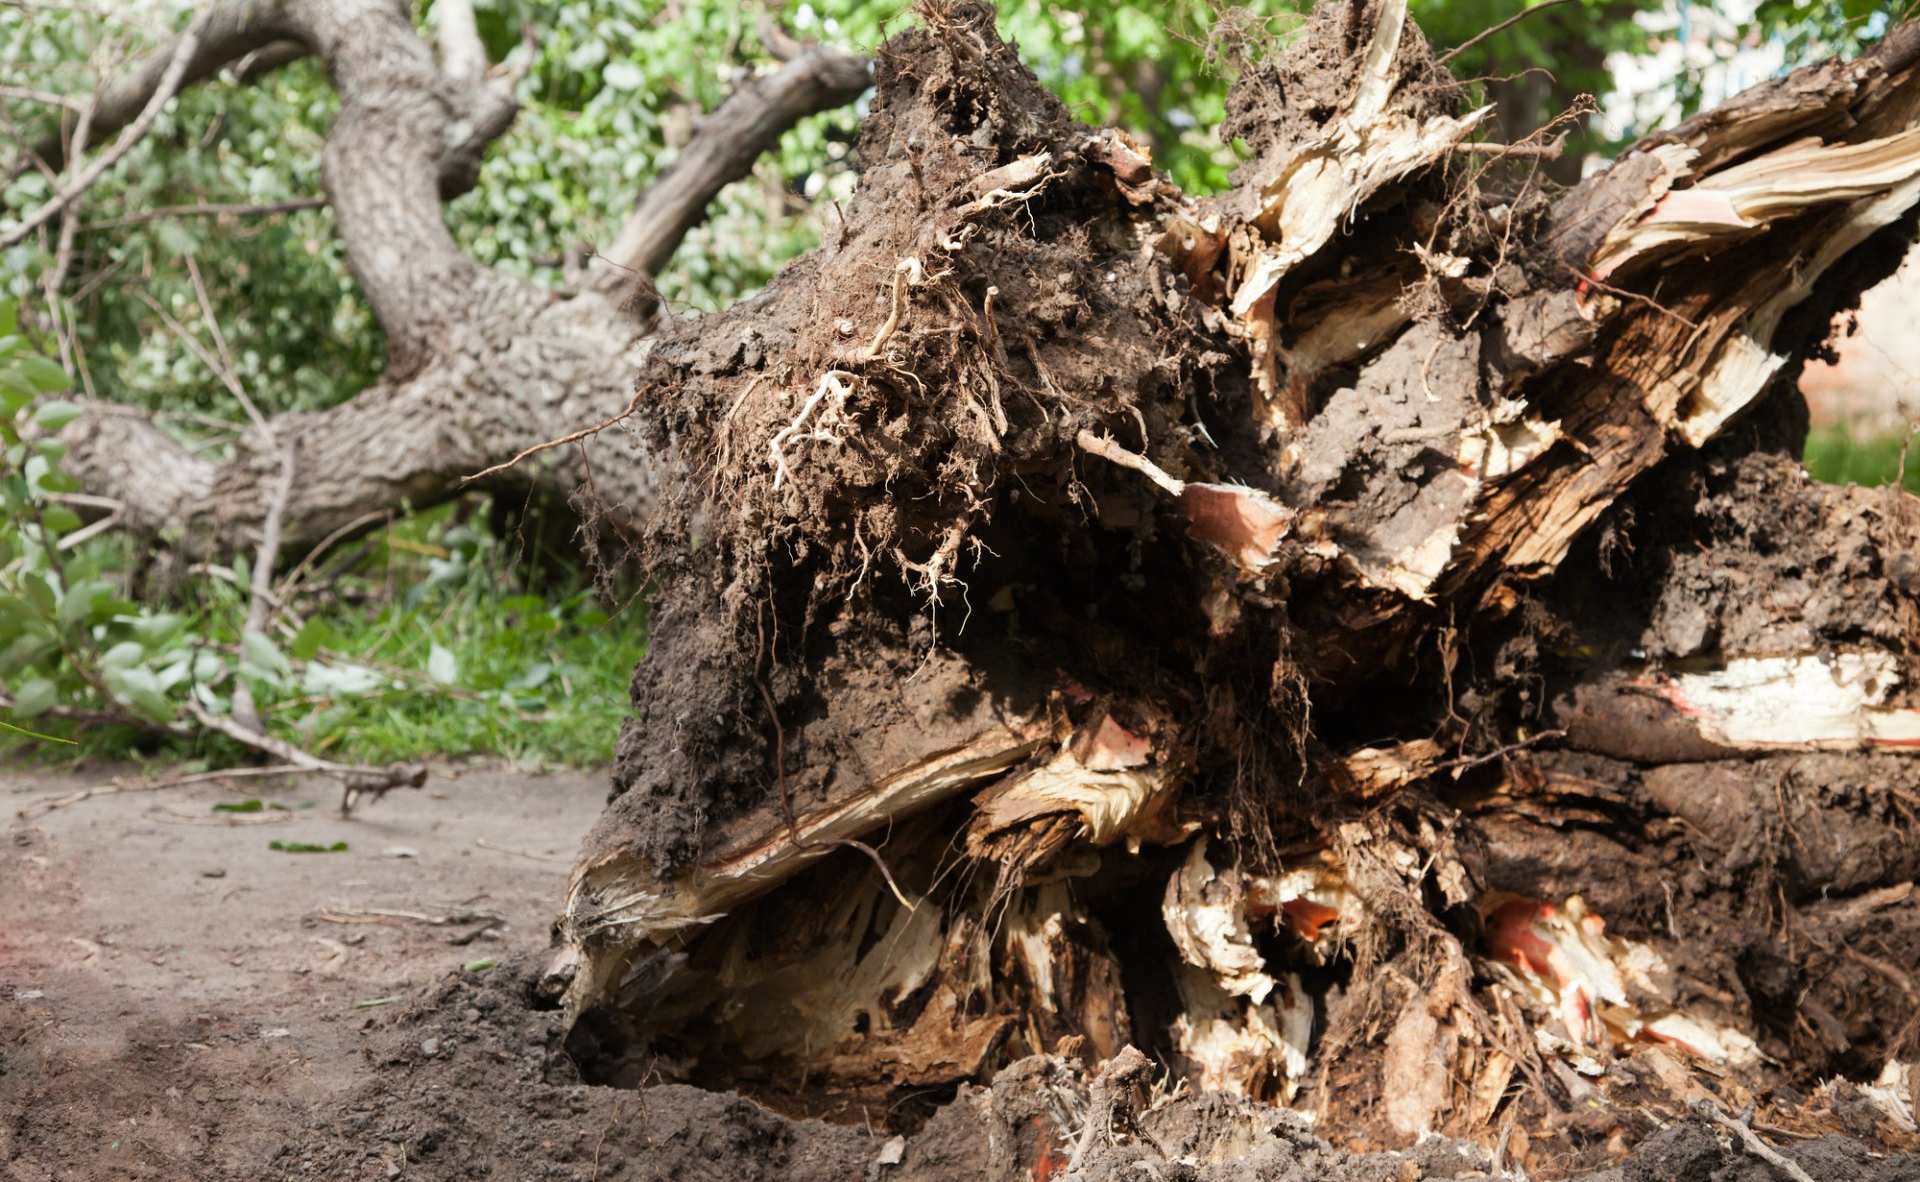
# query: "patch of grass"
[1834,456]
[427,639]
[468,669]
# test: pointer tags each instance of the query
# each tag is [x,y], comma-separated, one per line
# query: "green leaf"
[312,637]
[140,689]
[532,677]
[250,805]
[34,697]
[79,603]
[122,656]
[442,665]
[156,630]
[44,374]
[21,730]
[262,661]
[15,391]
[307,847]
[58,520]
[623,76]
[51,416]
[40,594]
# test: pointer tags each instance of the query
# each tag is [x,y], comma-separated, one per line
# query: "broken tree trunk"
[1363,640]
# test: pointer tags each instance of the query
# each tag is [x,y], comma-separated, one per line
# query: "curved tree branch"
[227,33]
[817,78]
[463,58]
[169,84]
[482,365]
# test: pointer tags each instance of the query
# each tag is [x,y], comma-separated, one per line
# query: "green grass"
[430,639]
[1834,456]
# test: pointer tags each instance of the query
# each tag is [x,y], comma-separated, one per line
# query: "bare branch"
[1547,151]
[463,59]
[169,85]
[1483,34]
[356,777]
[724,149]
[210,210]
[250,32]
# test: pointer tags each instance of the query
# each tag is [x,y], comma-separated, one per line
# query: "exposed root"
[906,274]
[836,386]
[1107,449]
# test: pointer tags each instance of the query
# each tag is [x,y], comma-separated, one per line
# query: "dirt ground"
[174,1001]
[179,1000]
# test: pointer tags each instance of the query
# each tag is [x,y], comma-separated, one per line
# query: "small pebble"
[430,1047]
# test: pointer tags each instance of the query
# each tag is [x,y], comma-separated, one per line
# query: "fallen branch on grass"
[355,780]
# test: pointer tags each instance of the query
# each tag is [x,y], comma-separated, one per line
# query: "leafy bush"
[348,668]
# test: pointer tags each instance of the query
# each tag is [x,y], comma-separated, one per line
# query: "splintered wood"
[1374,719]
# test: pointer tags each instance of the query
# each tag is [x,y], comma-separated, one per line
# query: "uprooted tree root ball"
[1358,646]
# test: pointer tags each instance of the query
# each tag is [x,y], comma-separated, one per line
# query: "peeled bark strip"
[1362,640]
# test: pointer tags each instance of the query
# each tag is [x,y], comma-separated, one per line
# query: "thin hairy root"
[934,571]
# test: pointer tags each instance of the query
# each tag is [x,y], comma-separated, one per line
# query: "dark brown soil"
[156,1021]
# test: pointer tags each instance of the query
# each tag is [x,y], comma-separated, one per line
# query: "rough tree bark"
[1364,640]
[481,365]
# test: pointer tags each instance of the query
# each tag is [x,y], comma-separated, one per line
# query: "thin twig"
[209,210]
[296,578]
[183,52]
[1635,296]
[1752,1141]
[1483,34]
[1547,151]
[484,844]
[632,404]
[118,786]
[356,778]
[226,371]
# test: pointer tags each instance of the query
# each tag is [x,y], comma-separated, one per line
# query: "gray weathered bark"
[481,365]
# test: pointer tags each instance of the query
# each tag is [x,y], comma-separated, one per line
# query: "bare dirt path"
[175,994]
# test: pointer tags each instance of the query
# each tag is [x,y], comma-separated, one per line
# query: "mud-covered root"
[1262,638]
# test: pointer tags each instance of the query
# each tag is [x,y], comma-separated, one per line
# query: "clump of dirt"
[471,1082]
[866,435]
[1782,564]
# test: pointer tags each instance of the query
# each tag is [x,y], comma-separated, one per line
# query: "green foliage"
[363,674]
[1834,456]
[1810,29]
[69,639]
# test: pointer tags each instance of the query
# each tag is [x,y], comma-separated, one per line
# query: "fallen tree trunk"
[1364,640]
[482,366]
